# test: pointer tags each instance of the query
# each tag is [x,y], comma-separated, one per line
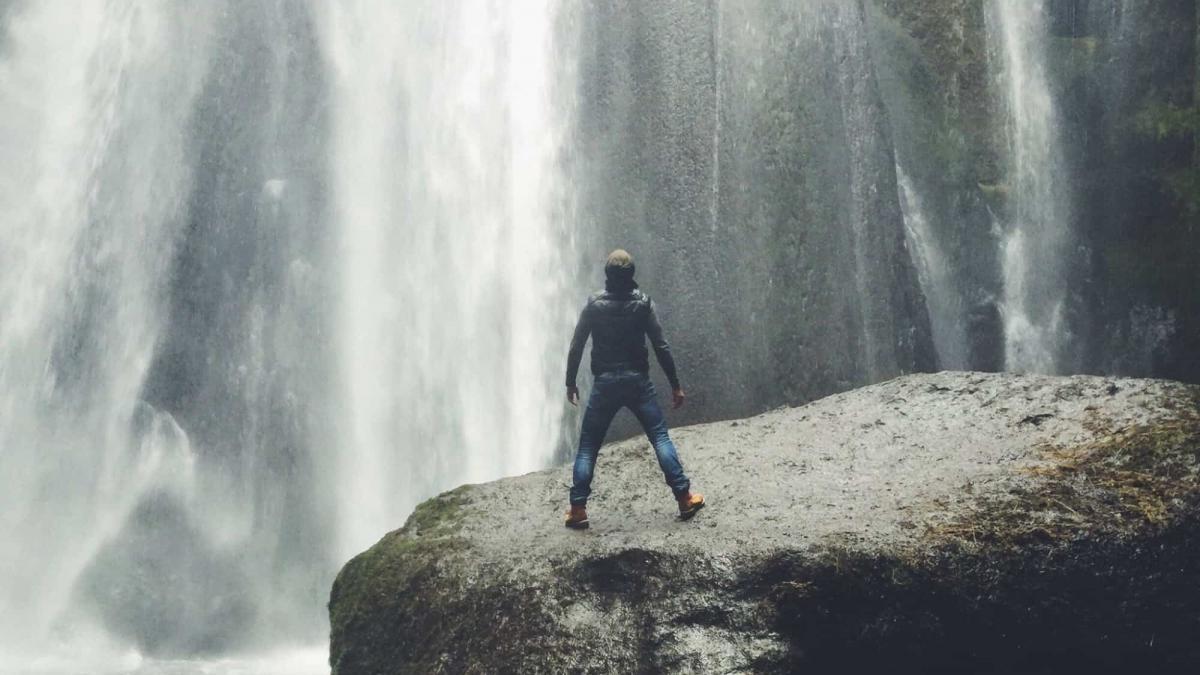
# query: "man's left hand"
[677,398]
[573,395]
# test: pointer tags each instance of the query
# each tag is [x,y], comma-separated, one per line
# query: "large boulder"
[954,521]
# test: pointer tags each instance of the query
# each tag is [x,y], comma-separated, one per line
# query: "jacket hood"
[619,279]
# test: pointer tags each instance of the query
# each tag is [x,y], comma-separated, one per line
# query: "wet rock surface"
[953,521]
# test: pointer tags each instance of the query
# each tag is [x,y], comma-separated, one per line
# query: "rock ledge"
[953,521]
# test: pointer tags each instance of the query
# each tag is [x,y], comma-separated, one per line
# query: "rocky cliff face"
[955,521]
[743,152]
[759,158]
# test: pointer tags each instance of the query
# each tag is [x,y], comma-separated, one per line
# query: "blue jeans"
[610,392]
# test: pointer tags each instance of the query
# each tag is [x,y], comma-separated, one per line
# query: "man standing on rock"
[618,320]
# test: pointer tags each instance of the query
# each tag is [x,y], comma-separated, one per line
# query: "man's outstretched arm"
[583,328]
[662,351]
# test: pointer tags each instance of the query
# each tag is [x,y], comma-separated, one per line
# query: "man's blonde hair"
[619,258]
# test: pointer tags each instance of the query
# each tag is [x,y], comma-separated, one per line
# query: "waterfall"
[453,308]
[714,202]
[934,273]
[1037,222]
[94,100]
[226,368]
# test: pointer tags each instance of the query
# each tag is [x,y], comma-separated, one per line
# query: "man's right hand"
[677,398]
[573,395]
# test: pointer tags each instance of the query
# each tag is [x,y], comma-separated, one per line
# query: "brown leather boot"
[577,518]
[689,504]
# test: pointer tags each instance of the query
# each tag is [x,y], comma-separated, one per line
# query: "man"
[618,320]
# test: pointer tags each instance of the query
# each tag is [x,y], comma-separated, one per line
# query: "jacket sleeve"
[661,349]
[583,328]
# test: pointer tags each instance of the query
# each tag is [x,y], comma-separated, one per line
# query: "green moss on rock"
[442,514]
[1071,555]
[951,35]
[378,582]
[1126,480]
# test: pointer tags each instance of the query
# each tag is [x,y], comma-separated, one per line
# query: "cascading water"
[208,343]
[1037,222]
[453,303]
[94,101]
[934,274]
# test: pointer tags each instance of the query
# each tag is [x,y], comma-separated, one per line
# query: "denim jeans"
[610,392]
